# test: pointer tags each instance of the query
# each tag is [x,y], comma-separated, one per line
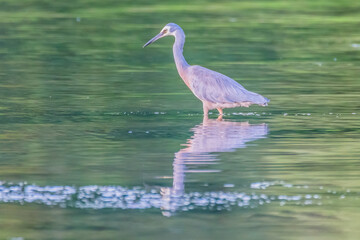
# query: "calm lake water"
[101,139]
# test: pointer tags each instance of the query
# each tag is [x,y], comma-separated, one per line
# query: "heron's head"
[168,30]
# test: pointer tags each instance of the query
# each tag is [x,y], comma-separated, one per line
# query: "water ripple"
[118,197]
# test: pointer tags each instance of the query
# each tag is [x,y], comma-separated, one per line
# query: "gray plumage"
[215,90]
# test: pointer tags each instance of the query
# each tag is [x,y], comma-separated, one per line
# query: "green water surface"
[97,125]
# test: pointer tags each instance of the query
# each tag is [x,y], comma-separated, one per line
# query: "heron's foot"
[220,111]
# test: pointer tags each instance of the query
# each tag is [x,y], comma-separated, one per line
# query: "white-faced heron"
[214,89]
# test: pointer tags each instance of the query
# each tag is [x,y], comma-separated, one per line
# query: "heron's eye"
[164,31]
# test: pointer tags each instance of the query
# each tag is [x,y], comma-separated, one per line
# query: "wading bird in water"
[214,89]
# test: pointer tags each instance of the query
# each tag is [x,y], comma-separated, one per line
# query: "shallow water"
[101,138]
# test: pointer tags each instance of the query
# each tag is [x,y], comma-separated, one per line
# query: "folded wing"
[211,86]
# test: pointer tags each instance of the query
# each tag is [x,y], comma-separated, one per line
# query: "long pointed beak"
[160,35]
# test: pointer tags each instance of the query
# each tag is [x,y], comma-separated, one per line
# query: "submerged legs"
[206,110]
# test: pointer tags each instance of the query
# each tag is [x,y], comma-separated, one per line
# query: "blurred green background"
[75,81]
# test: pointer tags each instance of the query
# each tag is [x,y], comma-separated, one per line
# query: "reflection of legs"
[220,118]
[220,111]
[179,169]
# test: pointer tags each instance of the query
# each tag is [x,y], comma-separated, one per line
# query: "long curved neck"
[178,46]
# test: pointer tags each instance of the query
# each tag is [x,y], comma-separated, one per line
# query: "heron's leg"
[206,110]
[220,111]
[205,118]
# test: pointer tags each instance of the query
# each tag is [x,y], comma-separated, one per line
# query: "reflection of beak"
[160,35]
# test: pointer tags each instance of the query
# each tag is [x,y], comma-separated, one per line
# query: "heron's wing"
[215,87]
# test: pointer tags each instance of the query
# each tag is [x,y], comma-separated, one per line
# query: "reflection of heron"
[214,89]
[211,136]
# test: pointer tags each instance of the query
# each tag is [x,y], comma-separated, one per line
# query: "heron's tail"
[266,101]
[256,98]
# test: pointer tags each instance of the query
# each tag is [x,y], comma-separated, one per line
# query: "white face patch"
[166,30]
